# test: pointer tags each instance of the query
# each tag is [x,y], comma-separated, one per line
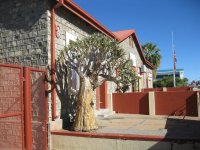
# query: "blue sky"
[154,21]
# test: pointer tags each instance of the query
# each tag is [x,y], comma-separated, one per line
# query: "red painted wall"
[103,96]
[131,103]
[176,103]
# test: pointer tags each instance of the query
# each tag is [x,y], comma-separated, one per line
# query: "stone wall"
[126,46]
[23,32]
[67,22]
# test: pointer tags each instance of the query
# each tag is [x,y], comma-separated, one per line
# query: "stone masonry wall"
[23,32]
[126,46]
[66,21]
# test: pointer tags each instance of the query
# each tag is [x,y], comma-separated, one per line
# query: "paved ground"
[172,127]
[141,132]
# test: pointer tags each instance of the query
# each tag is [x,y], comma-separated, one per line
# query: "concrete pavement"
[170,127]
[133,132]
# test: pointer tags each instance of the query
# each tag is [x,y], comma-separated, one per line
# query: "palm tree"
[152,54]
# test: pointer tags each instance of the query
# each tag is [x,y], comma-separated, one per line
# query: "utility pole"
[174,60]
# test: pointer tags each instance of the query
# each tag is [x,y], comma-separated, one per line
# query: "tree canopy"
[169,82]
[97,57]
[152,54]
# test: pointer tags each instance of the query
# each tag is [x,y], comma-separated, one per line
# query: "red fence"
[166,103]
[11,108]
[23,108]
[39,111]
[176,103]
[131,103]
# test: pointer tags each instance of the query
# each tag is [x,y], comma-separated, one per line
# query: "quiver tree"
[95,59]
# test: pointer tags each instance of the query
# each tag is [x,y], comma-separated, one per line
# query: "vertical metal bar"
[22,105]
[174,69]
[53,93]
[53,62]
[27,109]
[46,112]
[46,97]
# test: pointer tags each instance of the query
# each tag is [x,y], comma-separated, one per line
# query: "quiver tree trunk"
[85,118]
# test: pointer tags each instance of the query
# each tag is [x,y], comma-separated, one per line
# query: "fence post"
[110,100]
[151,103]
[164,89]
[27,108]
[198,104]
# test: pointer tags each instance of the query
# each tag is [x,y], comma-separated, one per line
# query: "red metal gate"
[11,108]
[23,124]
[39,105]
[36,112]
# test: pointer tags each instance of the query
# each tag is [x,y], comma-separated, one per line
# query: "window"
[69,37]
[133,59]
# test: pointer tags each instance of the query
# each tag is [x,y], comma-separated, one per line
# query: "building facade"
[144,70]
[169,73]
[32,33]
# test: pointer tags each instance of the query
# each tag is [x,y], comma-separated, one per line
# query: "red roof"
[124,34]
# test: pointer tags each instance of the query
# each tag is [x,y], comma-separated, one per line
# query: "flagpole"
[174,69]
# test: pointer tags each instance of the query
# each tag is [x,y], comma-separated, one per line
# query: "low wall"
[131,103]
[176,103]
[173,103]
[65,142]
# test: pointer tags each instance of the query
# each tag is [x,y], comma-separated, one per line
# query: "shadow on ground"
[181,134]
